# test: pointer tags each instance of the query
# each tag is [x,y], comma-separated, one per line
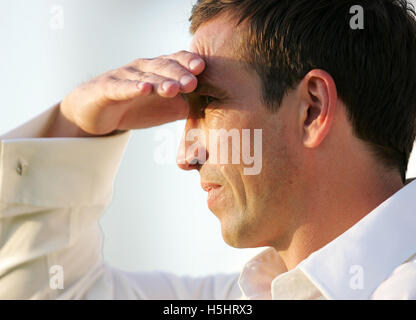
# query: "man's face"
[254,210]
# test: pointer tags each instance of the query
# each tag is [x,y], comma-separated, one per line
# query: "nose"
[192,153]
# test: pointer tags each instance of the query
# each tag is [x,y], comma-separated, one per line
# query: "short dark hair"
[374,68]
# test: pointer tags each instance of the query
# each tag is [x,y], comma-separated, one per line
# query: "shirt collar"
[257,274]
[350,267]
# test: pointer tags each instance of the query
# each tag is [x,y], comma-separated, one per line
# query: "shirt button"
[21,167]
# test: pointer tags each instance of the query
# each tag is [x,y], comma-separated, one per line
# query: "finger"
[167,68]
[164,86]
[125,89]
[189,60]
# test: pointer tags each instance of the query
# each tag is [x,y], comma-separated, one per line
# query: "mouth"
[214,191]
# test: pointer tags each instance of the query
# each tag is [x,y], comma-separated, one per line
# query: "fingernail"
[140,85]
[185,80]
[167,84]
[194,63]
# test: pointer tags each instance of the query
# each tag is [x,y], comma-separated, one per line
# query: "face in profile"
[252,208]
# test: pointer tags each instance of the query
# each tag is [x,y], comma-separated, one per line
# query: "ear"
[318,105]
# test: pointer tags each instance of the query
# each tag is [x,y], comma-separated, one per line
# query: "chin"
[237,234]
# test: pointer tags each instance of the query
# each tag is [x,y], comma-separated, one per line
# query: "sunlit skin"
[317,179]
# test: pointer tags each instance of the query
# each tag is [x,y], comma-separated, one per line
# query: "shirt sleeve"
[52,194]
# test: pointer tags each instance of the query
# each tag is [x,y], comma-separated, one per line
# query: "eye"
[208,101]
[198,103]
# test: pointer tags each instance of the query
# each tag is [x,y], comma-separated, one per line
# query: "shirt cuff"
[58,172]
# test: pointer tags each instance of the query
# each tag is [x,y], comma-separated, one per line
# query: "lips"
[214,192]
[209,186]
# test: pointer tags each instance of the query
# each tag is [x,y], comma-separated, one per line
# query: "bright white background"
[158,218]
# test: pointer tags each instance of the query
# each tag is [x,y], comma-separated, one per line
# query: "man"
[336,106]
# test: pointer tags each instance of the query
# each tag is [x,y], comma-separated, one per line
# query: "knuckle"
[149,77]
[139,60]
[128,68]
[131,69]
[163,63]
[139,63]
[182,52]
[108,78]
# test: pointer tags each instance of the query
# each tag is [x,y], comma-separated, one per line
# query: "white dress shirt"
[54,190]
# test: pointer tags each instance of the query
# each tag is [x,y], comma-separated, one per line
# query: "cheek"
[243,189]
[279,170]
[257,190]
[236,188]
[228,117]
[224,128]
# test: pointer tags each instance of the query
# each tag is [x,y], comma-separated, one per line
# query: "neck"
[330,208]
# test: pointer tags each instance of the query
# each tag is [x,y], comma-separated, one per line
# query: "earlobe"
[320,100]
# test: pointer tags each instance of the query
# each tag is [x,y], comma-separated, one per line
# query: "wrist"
[63,127]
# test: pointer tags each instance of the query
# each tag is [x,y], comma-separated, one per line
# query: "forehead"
[217,41]
[214,37]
